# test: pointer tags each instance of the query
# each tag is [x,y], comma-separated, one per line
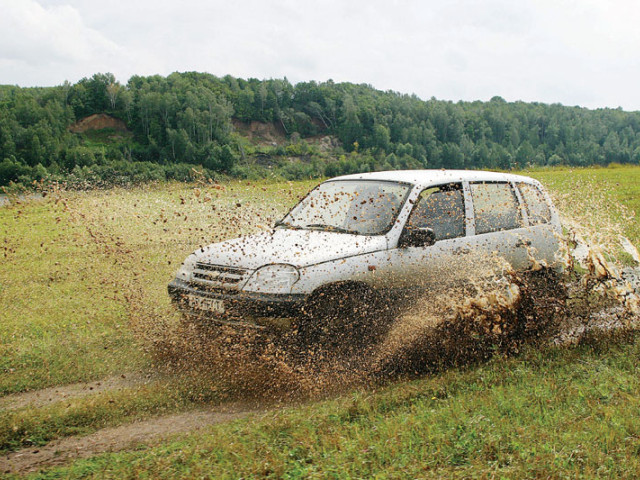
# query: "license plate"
[213,305]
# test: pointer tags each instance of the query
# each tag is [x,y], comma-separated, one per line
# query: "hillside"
[192,123]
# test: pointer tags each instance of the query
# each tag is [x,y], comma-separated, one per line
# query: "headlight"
[185,271]
[273,279]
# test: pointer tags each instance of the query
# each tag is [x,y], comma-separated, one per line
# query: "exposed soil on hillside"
[325,143]
[98,121]
[261,133]
[273,135]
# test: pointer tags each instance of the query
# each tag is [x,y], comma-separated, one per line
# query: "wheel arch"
[346,286]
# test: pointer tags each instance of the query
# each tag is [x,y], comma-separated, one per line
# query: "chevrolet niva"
[333,263]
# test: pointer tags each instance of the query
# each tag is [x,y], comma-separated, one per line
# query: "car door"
[541,235]
[498,223]
[443,210]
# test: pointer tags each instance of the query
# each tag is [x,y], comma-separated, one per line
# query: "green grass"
[60,322]
[602,198]
[554,413]
[107,136]
[82,274]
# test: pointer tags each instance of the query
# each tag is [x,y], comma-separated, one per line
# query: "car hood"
[300,248]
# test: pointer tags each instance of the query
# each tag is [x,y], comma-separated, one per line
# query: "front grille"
[217,278]
[215,290]
[216,273]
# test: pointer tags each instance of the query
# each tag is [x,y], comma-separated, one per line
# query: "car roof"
[435,177]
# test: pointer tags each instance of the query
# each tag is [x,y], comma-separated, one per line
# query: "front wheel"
[344,319]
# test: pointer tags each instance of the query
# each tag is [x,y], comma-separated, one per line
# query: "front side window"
[537,207]
[495,206]
[441,209]
[362,207]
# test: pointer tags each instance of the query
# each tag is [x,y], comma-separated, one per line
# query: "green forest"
[190,125]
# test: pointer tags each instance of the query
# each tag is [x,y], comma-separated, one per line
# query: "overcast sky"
[584,52]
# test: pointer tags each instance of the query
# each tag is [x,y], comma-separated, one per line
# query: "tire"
[344,318]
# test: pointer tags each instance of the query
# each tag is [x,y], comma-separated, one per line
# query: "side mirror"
[417,237]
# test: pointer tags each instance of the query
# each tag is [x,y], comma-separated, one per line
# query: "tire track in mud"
[114,439]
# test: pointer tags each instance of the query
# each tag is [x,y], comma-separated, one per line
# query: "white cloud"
[41,44]
[36,35]
[574,52]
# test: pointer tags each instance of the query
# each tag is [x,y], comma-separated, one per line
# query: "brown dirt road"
[114,439]
[122,437]
[48,396]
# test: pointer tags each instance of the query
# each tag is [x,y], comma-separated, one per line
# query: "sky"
[584,52]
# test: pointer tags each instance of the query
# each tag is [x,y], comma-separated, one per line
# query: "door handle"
[523,243]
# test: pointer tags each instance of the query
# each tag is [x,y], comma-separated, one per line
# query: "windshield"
[349,206]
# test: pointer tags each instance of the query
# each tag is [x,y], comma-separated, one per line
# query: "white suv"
[356,240]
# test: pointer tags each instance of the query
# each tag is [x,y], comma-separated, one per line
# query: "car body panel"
[300,248]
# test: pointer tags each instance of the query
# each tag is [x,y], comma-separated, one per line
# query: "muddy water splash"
[484,309]
[603,292]
[453,326]
[495,310]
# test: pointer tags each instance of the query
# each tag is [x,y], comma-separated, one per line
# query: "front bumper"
[245,308]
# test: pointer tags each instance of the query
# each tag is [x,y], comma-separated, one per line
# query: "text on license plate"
[214,305]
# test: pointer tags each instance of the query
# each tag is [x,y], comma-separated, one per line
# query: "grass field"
[83,285]
[605,201]
[558,413]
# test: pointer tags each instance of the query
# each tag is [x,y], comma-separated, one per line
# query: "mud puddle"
[119,438]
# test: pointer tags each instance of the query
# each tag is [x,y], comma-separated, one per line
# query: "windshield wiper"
[282,223]
[330,228]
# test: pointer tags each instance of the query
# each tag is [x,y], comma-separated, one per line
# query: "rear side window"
[442,210]
[537,208]
[495,206]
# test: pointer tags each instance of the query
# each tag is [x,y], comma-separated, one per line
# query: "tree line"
[183,124]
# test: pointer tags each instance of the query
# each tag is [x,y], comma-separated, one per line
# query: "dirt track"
[115,439]
[48,396]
